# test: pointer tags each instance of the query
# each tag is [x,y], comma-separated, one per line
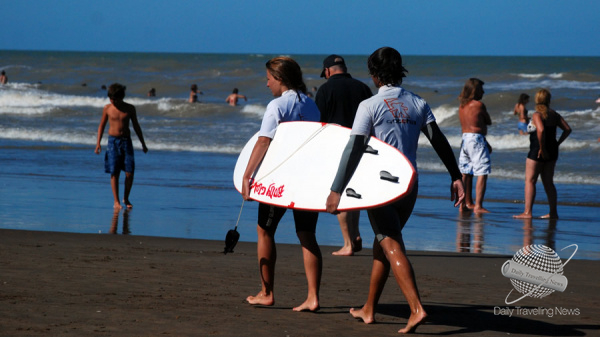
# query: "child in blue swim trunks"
[119,154]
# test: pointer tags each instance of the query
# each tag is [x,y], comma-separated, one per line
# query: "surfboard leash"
[239,215]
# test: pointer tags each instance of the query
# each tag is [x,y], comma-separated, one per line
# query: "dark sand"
[56,284]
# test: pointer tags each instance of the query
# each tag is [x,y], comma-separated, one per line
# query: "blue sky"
[418,27]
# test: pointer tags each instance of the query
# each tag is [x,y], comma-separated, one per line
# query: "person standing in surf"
[475,151]
[543,154]
[284,78]
[397,117]
[119,153]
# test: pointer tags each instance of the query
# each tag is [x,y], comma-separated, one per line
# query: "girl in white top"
[284,78]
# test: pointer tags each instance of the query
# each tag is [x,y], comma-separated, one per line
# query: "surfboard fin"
[385,175]
[371,150]
[352,193]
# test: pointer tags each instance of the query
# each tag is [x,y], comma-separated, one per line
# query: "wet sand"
[56,284]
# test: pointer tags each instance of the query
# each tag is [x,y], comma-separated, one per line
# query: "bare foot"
[366,317]
[261,299]
[523,216]
[127,203]
[308,305]
[357,244]
[480,210]
[549,216]
[464,209]
[117,205]
[344,251]
[413,322]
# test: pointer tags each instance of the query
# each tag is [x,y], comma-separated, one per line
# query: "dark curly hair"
[116,91]
[386,65]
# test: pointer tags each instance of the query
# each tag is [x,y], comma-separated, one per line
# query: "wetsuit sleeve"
[442,148]
[350,159]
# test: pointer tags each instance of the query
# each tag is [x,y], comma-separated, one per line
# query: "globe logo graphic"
[541,258]
[536,271]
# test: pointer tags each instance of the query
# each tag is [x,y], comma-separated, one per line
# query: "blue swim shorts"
[474,156]
[119,155]
[522,126]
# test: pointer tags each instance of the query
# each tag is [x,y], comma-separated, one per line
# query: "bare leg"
[379,275]
[531,175]
[267,255]
[114,183]
[468,184]
[480,193]
[548,181]
[313,267]
[400,265]
[350,232]
[128,184]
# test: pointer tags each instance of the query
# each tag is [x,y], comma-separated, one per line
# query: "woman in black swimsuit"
[543,153]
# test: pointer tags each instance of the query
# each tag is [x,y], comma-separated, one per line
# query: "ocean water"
[50,179]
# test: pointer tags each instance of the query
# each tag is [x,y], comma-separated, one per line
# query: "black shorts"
[269,217]
[389,220]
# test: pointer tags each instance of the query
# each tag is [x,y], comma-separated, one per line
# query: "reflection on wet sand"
[115,222]
[469,224]
[470,233]
[549,233]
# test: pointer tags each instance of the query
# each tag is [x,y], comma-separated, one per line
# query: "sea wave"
[27,99]
[518,174]
[514,142]
[254,109]
[89,138]
[541,75]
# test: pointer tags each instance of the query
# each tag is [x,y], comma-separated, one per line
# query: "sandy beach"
[57,284]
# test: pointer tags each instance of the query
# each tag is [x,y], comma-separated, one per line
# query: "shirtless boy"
[233,98]
[474,151]
[119,154]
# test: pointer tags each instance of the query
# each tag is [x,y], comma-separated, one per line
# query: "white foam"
[89,138]
[444,112]
[27,99]
[254,109]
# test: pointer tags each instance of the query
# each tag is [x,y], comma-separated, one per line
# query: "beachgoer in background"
[374,117]
[119,153]
[475,151]
[284,78]
[194,94]
[543,153]
[3,78]
[152,92]
[103,87]
[233,98]
[521,111]
[338,99]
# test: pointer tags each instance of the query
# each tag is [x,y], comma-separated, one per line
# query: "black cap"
[332,60]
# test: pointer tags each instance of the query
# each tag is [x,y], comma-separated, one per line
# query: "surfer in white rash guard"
[397,117]
[284,78]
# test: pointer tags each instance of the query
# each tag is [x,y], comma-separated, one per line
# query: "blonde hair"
[542,102]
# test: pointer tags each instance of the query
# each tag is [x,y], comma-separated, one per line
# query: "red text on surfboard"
[271,191]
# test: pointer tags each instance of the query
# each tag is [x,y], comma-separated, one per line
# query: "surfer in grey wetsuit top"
[397,117]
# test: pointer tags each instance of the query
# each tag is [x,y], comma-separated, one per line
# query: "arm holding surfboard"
[258,153]
[355,148]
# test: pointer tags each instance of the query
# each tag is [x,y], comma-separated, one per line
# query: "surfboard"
[302,161]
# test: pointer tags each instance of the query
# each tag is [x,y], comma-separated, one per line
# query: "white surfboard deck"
[302,161]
